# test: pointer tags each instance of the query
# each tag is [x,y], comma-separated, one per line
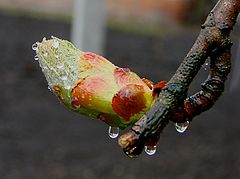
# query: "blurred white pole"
[88,26]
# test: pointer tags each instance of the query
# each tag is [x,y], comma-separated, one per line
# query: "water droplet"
[64,77]
[35,46]
[205,66]
[68,86]
[76,102]
[60,65]
[203,26]
[36,58]
[44,39]
[182,127]
[45,67]
[77,106]
[150,150]
[113,132]
[45,54]
[50,89]
[55,43]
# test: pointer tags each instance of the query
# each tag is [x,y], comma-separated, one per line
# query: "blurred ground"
[40,139]
[150,12]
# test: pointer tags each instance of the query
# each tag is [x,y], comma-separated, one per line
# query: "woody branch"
[172,104]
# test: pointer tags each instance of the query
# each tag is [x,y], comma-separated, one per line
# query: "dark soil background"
[41,139]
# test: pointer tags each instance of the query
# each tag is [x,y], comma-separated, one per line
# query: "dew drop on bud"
[45,54]
[150,150]
[182,127]
[113,132]
[77,106]
[68,86]
[34,46]
[60,65]
[55,44]
[44,39]
[36,58]
[64,77]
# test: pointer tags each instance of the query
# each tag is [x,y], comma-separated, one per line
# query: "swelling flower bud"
[91,85]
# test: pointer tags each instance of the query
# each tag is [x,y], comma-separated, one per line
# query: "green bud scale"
[91,85]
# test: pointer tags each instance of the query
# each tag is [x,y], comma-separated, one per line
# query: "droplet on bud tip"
[35,46]
[36,58]
[113,132]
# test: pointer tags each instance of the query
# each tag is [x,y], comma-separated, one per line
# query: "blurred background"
[41,139]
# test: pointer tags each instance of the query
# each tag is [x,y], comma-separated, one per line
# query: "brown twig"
[172,104]
[211,90]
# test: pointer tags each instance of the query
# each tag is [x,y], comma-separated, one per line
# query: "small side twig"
[173,104]
[211,90]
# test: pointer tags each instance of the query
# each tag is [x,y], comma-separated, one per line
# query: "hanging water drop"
[36,58]
[150,150]
[49,88]
[113,132]
[55,43]
[182,127]
[35,46]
